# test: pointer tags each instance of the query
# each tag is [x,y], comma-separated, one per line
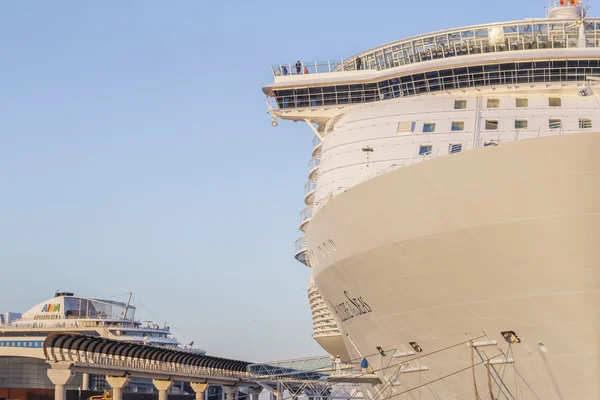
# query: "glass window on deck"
[585,123]
[491,124]
[454,148]
[554,102]
[460,104]
[429,127]
[493,103]
[520,124]
[555,123]
[522,102]
[405,127]
[425,149]
[458,125]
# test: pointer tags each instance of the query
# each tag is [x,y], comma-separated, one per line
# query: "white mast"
[127,305]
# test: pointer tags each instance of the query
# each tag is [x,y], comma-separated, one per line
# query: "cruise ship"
[452,220]
[22,361]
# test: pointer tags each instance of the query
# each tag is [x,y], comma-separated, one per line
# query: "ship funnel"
[566,9]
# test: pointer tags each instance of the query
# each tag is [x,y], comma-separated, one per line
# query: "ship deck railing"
[491,38]
[435,81]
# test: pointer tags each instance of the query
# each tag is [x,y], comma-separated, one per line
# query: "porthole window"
[522,102]
[429,127]
[520,124]
[585,123]
[491,124]
[460,104]
[554,101]
[493,103]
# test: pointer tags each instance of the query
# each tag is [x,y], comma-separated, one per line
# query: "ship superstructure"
[22,337]
[454,206]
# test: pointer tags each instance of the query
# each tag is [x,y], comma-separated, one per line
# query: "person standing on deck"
[358,63]
[298,67]
[364,364]
[338,365]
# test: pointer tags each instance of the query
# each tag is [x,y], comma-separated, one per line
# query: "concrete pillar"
[254,392]
[60,377]
[162,387]
[117,383]
[85,382]
[200,389]
[230,392]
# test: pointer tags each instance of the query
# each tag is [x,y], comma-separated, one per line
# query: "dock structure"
[315,377]
[71,353]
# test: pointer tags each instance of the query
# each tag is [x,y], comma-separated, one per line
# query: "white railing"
[558,71]
[479,39]
[315,67]
[316,142]
[310,186]
[314,163]
[300,245]
[306,214]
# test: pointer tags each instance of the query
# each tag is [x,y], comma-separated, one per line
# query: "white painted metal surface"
[460,205]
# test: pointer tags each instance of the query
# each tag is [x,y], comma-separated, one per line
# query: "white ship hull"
[464,247]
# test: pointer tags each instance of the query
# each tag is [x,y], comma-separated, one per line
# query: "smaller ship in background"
[22,361]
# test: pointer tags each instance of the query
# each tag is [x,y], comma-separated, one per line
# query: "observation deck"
[565,27]
[564,47]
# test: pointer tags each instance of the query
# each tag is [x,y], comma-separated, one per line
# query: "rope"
[473,365]
[527,384]
[388,383]
[427,355]
[489,378]
[503,370]
[501,382]
[437,380]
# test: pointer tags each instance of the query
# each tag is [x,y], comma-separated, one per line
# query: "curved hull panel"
[466,247]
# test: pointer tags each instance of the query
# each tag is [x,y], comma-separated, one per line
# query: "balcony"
[313,167]
[301,253]
[305,217]
[309,191]
[316,143]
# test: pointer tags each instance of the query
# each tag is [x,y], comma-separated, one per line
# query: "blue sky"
[136,154]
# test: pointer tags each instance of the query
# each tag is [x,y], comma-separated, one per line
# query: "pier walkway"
[70,353]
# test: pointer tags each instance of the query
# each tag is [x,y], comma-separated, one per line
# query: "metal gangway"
[70,353]
[315,377]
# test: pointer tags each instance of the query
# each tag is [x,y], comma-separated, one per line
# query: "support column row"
[60,377]
[117,383]
[162,387]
